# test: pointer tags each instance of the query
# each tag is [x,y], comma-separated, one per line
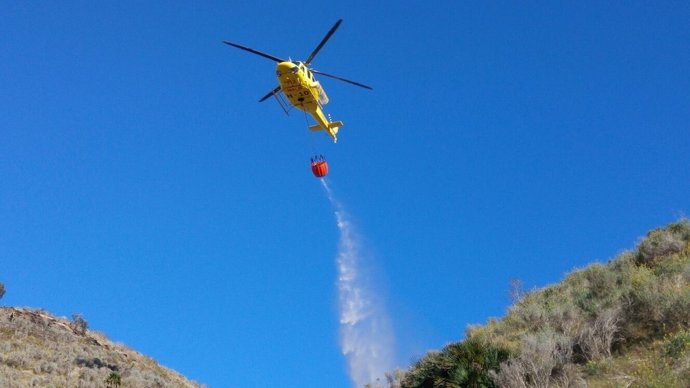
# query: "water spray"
[366,338]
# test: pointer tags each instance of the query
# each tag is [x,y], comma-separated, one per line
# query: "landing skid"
[280,97]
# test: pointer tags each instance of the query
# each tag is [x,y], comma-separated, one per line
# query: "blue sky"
[143,185]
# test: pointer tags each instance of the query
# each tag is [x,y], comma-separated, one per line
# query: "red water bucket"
[319,168]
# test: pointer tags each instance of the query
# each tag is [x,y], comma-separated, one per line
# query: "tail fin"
[332,129]
[331,126]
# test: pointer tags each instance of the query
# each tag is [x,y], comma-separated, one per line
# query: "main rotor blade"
[323,41]
[272,92]
[251,50]
[342,79]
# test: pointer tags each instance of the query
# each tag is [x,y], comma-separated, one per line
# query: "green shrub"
[663,242]
[113,380]
[655,303]
[598,368]
[463,364]
[677,344]
[595,288]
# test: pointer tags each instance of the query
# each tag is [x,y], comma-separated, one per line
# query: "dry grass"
[663,363]
[40,350]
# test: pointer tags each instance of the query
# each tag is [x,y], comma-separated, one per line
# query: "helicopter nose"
[285,66]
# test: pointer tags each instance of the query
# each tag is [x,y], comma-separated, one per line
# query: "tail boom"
[331,127]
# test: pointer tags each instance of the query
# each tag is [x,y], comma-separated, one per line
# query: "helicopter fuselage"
[304,92]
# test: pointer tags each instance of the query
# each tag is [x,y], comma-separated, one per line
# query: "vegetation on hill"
[621,324]
[40,350]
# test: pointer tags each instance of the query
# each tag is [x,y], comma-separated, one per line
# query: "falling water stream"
[366,337]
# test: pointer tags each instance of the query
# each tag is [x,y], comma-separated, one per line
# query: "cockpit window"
[294,70]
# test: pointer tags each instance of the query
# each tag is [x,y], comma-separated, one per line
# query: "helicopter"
[297,82]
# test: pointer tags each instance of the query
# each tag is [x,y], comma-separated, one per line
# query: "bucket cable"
[311,140]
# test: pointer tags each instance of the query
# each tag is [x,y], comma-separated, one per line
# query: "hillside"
[625,323]
[40,350]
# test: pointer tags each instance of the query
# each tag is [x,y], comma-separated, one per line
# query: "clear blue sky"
[142,185]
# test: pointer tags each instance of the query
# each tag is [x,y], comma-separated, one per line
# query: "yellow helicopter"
[297,83]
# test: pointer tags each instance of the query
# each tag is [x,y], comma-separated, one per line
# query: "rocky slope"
[40,350]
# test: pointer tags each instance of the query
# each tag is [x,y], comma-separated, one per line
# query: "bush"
[463,364]
[686,273]
[543,361]
[78,324]
[663,242]
[677,344]
[655,304]
[594,341]
[545,309]
[114,380]
[2,290]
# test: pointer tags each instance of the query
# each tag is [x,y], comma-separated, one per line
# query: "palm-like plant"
[114,380]
[461,365]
